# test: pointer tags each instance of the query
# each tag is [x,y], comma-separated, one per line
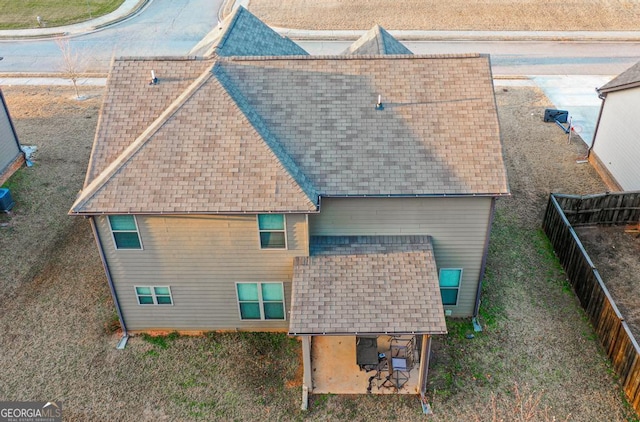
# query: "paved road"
[165,27]
[524,57]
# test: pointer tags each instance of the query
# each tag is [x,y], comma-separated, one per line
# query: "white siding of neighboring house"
[617,142]
[459,227]
[200,258]
[9,149]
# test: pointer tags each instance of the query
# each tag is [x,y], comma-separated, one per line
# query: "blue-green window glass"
[273,311]
[247,291]
[250,310]
[249,300]
[144,295]
[154,295]
[273,300]
[450,285]
[163,295]
[261,300]
[272,292]
[272,231]
[271,221]
[125,231]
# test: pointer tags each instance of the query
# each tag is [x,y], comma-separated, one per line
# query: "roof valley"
[254,119]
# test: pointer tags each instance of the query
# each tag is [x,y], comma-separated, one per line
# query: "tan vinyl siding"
[9,150]
[458,227]
[617,142]
[201,258]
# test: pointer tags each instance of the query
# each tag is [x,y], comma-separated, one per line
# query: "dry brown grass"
[54,344]
[488,15]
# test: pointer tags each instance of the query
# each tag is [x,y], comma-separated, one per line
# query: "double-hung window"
[273,234]
[450,285]
[260,300]
[124,229]
[154,295]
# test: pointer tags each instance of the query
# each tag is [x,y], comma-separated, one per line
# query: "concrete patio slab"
[334,368]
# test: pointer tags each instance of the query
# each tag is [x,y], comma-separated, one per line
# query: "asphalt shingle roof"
[199,156]
[367,284]
[260,134]
[243,34]
[627,79]
[438,133]
[377,41]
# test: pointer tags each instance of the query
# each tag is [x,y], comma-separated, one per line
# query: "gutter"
[125,335]
[423,195]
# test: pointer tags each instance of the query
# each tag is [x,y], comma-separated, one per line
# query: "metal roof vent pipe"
[379,105]
[154,80]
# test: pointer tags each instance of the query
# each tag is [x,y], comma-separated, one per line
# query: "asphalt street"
[567,71]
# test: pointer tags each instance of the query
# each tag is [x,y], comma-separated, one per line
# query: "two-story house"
[340,198]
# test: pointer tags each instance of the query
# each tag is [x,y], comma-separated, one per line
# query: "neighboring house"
[275,193]
[11,156]
[615,152]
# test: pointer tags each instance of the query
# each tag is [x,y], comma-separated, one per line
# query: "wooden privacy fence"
[605,208]
[614,333]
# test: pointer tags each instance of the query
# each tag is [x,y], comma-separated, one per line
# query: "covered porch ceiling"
[356,285]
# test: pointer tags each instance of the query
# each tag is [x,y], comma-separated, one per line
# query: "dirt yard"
[537,355]
[616,255]
[462,15]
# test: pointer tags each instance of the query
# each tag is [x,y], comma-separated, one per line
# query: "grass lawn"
[537,359]
[19,14]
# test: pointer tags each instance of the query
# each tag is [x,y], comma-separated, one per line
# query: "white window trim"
[260,301]
[286,241]
[113,238]
[459,288]
[153,295]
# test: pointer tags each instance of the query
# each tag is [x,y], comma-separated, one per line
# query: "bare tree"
[72,64]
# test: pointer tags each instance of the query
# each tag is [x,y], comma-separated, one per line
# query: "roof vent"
[379,105]
[154,80]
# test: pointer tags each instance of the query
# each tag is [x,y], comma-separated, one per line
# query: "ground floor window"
[154,295]
[260,300]
[450,285]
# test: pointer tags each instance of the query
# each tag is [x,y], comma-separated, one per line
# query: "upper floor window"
[124,229]
[450,285]
[273,234]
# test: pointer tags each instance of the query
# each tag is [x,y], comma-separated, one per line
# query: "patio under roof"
[356,285]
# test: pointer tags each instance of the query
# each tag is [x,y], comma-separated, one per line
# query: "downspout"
[125,336]
[476,325]
[603,97]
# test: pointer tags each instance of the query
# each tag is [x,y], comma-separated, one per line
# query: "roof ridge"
[255,120]
[367,57]
[101,179]
[225,35]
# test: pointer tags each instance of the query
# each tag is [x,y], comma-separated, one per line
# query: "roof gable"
[377,41]
[199,156]
[131,104]
[630,78]
[243,34]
